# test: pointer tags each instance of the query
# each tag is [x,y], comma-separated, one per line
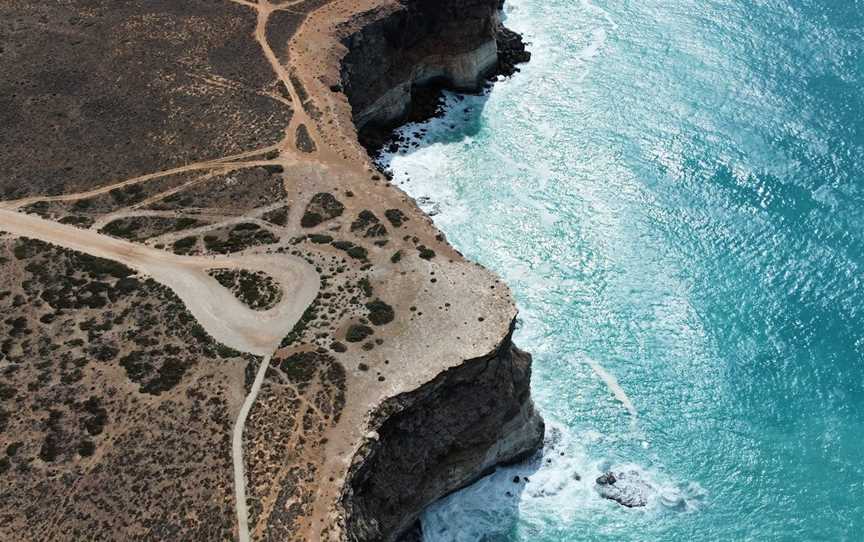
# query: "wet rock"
[626,488]
[511,51]
[606,479]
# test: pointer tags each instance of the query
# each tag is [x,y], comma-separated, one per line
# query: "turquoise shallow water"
[674,193]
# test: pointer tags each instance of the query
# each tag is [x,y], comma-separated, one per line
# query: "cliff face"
[418,42]
[478,413]
[439,438]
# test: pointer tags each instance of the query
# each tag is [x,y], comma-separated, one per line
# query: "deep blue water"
[674,192]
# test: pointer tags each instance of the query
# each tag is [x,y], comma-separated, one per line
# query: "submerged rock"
[626,488]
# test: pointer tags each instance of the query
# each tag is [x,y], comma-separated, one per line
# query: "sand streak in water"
[616,389]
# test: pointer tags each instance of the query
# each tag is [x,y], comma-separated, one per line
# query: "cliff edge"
[220,320]
[444,435]
[439,438]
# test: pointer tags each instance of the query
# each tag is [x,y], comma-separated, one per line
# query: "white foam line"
[613,385]
[603,13]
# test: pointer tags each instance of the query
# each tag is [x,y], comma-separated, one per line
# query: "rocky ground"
[221,129]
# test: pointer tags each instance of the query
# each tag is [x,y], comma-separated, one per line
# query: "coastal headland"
[220,320]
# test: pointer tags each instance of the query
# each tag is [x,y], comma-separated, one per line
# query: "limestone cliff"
[477,414]
[439,438]
[421,42]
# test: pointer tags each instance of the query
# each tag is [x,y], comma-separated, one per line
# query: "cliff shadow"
[487,510]
[437,115]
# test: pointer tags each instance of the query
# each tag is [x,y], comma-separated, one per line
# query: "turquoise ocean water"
[675,192]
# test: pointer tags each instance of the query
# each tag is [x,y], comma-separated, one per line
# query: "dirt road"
[221,314]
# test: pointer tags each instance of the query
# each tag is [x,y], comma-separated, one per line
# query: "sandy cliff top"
[197,130]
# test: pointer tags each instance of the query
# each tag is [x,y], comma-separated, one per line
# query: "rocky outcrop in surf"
[439,438]
[626,488]
[511,51]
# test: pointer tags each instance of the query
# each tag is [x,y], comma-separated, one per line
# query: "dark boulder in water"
[511,51]
[626,488]
[607,479]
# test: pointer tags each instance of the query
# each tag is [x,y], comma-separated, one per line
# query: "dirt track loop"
[223,316]
[219,312]
[216,309]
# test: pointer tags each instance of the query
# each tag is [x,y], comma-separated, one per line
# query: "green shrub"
[396,217]
[357,333]
[380,313]
[425,252]
[320,239]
